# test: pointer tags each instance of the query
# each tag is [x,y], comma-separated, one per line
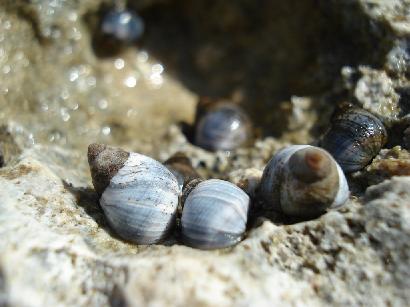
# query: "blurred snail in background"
[354,138]
[139,196]
[221,126]
[215,214]
[303,181]
[116,29]
[122,25]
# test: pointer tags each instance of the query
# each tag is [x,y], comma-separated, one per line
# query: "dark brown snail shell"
[354,138]
[181,167]
[303,181]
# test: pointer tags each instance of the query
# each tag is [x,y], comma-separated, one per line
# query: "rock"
[287,62]
[387,214]
[247,179]
[53,228]
[398,58]
[375,92]
[389,163]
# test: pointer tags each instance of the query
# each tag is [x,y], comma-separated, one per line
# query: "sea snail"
[221,126]
[215,214]
[303,181]
[354,138]
[181,167]
[123,26]
[138,195]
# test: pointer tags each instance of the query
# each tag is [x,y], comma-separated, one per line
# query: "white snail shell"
[303,181]
[215,215]
[139,195]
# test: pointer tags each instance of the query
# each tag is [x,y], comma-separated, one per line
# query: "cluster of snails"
[141,197]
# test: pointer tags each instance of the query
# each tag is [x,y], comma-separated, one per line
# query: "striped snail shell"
[303,181]
[138,195]
[215,214]
[222,126]
[354,138]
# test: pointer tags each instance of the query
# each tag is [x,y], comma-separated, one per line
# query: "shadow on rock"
[87,198]
[3,290]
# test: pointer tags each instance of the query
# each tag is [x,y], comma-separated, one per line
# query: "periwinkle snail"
[221,126]
[123,26]
[303,181]
[138,195]
[181,167]
[215,214]
[354,138]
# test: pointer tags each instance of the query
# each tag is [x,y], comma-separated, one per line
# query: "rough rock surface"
[57,249]
[287,62]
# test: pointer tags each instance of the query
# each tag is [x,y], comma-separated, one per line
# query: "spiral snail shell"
[215,214]
[138,195]
[354,138]
[303,181]
[222,126]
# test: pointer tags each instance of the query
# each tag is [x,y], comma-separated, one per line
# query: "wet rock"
[375,92]
[398,58]
[284,62]
[389,163]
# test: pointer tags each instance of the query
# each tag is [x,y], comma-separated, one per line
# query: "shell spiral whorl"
[303,181]
[215,215]
[354,138]
[138,195]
